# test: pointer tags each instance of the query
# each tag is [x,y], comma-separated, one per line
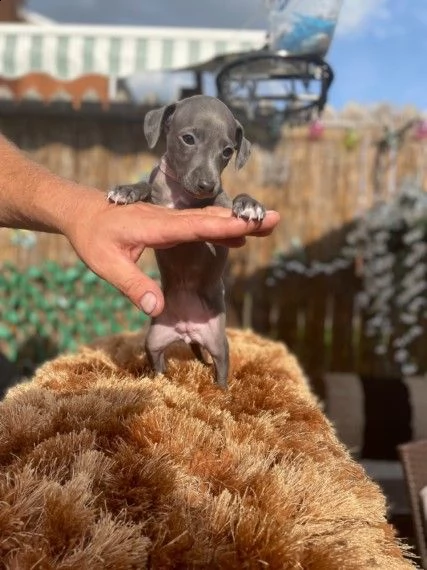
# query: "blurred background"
[332,97]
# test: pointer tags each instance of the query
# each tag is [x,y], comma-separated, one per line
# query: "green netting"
[48,309]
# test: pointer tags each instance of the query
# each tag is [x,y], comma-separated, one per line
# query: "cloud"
[362,16]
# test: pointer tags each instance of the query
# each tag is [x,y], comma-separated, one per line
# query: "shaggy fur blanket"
[102,467]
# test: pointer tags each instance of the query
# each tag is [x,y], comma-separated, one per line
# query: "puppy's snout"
[206,185]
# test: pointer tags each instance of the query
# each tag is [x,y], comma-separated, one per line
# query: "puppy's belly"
[205,334]
[188,318]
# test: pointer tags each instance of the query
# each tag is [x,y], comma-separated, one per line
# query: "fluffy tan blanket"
[103,467]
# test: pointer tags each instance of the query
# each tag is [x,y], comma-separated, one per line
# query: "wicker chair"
[414,459]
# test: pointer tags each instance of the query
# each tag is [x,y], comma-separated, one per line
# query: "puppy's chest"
[170,195]
[192,265]
[176,201]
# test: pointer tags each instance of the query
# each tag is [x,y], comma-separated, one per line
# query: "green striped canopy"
[67,52]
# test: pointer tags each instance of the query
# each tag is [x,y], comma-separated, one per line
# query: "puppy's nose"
[206,185]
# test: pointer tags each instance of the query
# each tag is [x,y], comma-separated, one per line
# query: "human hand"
[111,239]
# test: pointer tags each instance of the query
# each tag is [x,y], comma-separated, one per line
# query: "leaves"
[48,309]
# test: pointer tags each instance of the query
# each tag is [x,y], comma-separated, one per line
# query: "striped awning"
[67,52]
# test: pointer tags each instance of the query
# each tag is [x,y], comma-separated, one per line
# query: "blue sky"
[381,55]
[378,53]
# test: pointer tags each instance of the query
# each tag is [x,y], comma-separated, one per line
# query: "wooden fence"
[317,186]
[318,318]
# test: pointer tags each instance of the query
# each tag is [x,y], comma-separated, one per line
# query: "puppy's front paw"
[129,193]
[246,207]
[122,195]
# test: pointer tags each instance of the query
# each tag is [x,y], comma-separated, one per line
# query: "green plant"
[391,242]
[47,309]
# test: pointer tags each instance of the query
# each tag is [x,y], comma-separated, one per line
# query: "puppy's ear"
[155,121]
[243,147]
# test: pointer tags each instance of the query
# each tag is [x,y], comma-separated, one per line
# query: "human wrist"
[60,204]
[34,198]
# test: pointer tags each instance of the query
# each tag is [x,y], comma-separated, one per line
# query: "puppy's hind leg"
[156,359]
[221,362]
[214,340]
[159,337]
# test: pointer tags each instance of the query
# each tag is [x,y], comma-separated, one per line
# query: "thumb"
[140,289]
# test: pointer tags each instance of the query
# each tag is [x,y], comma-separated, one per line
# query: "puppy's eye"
[188,139]
[227,152]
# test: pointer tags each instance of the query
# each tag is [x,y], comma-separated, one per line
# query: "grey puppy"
[201,137]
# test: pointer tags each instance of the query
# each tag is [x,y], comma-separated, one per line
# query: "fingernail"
[148,303]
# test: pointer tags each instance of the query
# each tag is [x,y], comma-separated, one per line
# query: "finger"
[228,242]
[215,211]
[132,282]
[180,226]
[214,228]
[231,242]
[270,221]
[212,211]
[272,217]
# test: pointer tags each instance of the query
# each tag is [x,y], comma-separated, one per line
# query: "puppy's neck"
[166,169]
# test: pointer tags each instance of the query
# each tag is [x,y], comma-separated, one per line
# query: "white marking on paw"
[117,197]
[251,212]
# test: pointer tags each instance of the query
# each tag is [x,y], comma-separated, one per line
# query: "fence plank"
[262,303]
[344,288]
[315,348]
[288,298]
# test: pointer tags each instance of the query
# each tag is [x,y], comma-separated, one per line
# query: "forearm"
[32,197]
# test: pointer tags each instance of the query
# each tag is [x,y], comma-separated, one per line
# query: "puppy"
[201,137]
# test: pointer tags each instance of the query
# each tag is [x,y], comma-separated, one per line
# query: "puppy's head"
[201,137]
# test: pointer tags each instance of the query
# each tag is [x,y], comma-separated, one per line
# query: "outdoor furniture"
[414,459]
[288,80]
